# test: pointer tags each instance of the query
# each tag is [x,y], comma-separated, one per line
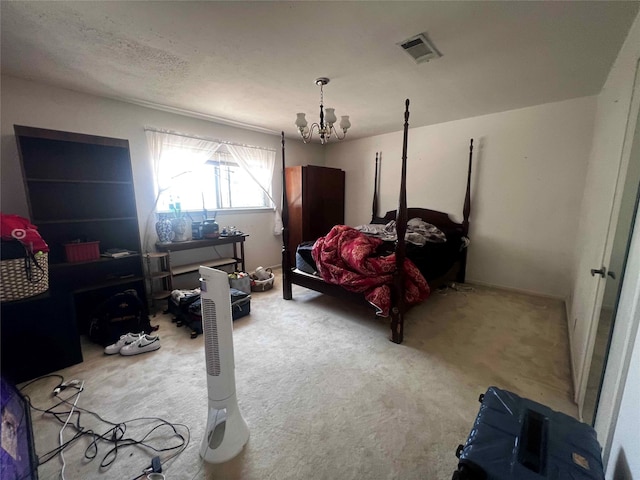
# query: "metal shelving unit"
[159,277]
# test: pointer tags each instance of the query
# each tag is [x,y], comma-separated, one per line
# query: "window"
[217,184]
[234,186]
[202,173]
[206,174]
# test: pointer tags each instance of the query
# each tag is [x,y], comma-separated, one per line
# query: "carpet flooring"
[326,395]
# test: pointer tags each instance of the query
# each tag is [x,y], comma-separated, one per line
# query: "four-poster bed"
[453,251]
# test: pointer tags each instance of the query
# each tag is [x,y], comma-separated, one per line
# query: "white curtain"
[173,155]
[259,164]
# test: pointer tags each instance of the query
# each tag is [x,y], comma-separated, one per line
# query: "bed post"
[374,207]
[397,295]
[460,277]
[286,259]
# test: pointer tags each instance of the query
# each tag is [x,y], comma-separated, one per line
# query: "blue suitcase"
[186,311]
[516,438]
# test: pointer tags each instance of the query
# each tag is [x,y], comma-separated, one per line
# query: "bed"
[438,263]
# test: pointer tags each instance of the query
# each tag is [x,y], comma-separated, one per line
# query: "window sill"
[235,211]
[223,212]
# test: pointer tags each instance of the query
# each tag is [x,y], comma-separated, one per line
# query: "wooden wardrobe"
[316,202]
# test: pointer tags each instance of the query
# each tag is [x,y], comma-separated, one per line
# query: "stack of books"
[117,253]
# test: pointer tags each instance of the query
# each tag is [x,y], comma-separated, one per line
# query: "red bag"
[14,227]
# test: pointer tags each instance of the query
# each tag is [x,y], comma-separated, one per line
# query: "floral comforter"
[348,258]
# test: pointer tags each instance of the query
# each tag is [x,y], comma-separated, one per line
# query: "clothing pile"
[418,232]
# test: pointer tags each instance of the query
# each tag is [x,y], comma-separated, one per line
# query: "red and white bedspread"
[346,257]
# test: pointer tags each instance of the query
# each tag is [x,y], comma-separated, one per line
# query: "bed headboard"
[440,219]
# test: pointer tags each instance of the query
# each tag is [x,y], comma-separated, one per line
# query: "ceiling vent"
[420,48]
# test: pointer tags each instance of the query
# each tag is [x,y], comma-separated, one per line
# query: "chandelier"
[327,119]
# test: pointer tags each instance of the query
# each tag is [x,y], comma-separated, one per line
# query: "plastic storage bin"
[82,252]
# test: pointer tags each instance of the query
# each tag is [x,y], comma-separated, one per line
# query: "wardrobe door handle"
[601,271]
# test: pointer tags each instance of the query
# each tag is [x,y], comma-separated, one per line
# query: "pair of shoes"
[126,339]
[146,343]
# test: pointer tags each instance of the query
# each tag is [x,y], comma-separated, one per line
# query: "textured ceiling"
[255,63]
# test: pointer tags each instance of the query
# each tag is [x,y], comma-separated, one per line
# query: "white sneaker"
[126,339]
[146,343]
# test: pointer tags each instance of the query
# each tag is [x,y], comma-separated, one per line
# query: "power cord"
[65,385]
[152,472]
[77,395]
[114,435]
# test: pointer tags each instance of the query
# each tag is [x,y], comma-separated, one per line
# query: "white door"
[613,276]
[601,205]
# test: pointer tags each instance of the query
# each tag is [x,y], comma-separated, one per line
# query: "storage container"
[82,252]
[240,281]
[22,275]
[516,438]
[258,285]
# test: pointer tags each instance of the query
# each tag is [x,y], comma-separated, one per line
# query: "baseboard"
[574,373]
[517,290]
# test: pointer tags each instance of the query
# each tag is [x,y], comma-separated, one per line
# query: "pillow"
[431,233]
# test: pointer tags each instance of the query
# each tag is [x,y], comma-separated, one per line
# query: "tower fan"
[226,432]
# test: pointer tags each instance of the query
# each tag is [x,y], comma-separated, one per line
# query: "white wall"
[529,171]
[38,105]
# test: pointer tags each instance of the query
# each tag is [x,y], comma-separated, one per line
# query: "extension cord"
[73,407]
[64,385]
[112,436]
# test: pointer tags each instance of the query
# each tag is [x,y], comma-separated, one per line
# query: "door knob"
[602,272]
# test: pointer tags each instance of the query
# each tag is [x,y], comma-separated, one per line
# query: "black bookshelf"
[79,188]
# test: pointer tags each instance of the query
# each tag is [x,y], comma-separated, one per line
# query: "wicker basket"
[262,285]
[24,277]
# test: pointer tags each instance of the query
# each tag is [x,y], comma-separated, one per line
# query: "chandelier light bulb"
[345,123]
[330,115]
[301,121]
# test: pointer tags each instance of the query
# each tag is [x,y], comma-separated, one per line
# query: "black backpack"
[120,314]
